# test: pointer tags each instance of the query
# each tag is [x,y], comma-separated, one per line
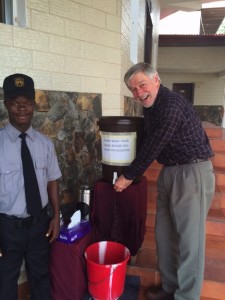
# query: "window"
[13,12]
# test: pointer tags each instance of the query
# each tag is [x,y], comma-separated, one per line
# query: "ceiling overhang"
[189,40]
[211,19]
[211,23]
[170,6]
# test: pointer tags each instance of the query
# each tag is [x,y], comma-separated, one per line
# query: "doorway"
[185,89]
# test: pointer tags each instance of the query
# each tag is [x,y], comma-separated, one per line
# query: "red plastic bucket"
[106,269]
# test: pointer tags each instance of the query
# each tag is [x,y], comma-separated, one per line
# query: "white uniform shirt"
[12,193]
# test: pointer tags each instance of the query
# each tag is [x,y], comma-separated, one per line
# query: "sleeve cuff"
[129,177]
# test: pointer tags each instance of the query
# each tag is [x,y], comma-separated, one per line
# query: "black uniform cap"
[18,85]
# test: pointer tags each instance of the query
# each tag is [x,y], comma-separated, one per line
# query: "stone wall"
[132,107]
[210,113]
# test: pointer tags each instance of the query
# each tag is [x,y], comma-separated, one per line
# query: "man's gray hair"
[143,67]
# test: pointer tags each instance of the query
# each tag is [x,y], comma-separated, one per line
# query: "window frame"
[13,12]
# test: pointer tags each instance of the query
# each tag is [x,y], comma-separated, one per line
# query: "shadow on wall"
[70,121]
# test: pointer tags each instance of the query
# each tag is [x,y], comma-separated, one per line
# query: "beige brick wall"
[69,46]
[76,45]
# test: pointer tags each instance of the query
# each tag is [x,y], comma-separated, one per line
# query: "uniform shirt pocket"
[10,177]
[41,170]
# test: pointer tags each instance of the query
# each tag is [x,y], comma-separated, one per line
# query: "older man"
[176,139]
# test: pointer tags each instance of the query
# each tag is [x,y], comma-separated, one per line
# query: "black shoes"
[158,293]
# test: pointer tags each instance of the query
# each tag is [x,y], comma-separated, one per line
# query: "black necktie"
[32,193]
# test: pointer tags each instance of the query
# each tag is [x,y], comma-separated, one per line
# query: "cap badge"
[19,82]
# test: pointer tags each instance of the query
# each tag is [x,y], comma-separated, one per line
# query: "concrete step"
[215,226]
[218,200]
[143,291]
[208,287]
[149,239]
[213,290]
[151,175]
[213,131]
[218,145]
[215,259]
[218,161]
[207,298]
[148,277]
[220,178]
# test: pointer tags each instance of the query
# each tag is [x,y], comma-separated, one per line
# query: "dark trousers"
[24,240]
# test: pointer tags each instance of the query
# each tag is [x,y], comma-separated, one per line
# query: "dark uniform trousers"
[24,239]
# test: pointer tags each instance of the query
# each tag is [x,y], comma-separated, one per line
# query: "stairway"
[144,264]
[214,279]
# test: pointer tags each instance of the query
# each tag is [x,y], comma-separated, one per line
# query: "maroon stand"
[114,216]
[68,269]
[120,216]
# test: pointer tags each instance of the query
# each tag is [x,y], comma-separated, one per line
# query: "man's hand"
[122,183]
[53,229]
